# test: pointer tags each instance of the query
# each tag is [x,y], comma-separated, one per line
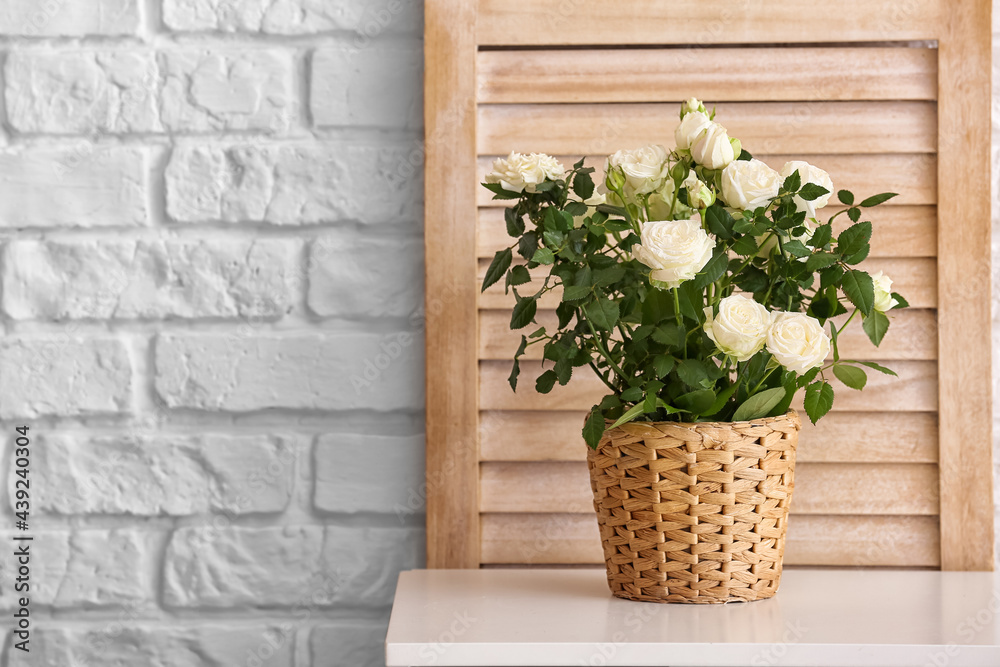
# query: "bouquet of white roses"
[697,283]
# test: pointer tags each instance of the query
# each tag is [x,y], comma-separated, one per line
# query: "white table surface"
[821,617]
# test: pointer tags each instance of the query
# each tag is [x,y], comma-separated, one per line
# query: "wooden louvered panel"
[586,22]
[914,390]
[840,437]
[844,541]
[915,277]
[913,176]
[769,127]
[820,488]
[668,75]
[900,231]
[914,336]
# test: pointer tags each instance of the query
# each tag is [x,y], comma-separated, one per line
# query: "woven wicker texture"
[695,513]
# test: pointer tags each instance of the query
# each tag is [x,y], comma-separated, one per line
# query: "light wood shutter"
[885,96]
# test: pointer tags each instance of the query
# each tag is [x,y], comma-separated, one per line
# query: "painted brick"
[294,17]
[66,18]
[87,568]
[308,371]
[348,644]
[351,275]
[349,465]
[251,644]
[81,91]
[163,474]
[348,86]
[123,279]
[220,89]
[292,566]
[85,185]
[63,375]
[295,184]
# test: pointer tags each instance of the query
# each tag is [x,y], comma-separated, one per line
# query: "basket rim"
[791,415]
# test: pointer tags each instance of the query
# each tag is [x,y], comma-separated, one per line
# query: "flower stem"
[604,352]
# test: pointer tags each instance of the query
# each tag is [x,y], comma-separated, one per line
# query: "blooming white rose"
[645,168]
[749,184]
[740,328]
[809,174]
[519,173]
[699,195]
[713,148]
[883,292]
[691,125]
[797,341]
[676,250]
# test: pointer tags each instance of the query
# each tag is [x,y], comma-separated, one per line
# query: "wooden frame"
[455,30]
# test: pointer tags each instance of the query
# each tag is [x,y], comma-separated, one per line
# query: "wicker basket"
[695,513]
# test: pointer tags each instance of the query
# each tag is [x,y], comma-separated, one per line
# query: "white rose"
[691,105]
[676,250]
[713,148]
[691,125]
[749,184]
[883,292]
[809,174]
[797,341]
[519,173]
[740,328]
[645,168]
[699,195]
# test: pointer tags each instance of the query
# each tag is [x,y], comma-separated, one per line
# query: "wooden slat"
[533,23]
[914,278]
[820,488]
[840,437]
[912,335]
[964,283]
[719,75]
[763,127]
[845,541]
[900,231]
[913,176]
[450,304]
[915,390]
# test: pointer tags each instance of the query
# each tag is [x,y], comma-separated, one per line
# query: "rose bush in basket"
[699,284]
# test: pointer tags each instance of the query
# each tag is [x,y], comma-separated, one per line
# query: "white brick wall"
[210,294]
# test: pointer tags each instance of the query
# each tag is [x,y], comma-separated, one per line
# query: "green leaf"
[669,334]
[593,429]
[880,368]
[609,275]
[499,192]
[518,275]
[759,404]
[516,370]
[537,333]
[796,248]
[603,313]
[662,365]
[498,267]
[524,312]
[821,261]
[875,325]
[564,370]
[721,399]
[854,238]
[793,182]
[719,221]
[545,382]
[854,214]
[565,312]
[629,415]
[576,208]
[583,185]
[576,292]
[746,246]
[713,270]
[632,394]
[528,244]
[617,226]
[818,400]
[859,288]
[852,376]
[692,372]
[903,303]
[812,191]
[515,222]
[875,200]
[543,256]
[696,402]
[744,155]
[846,197]
[821,236]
